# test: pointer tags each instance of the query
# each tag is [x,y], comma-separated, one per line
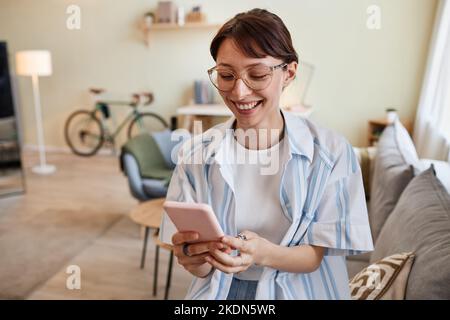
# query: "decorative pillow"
[390,177]
[406,147]
[385,279]
[421,223]
[442,169]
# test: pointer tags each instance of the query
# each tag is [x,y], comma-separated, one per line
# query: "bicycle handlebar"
[145,98]
[149,97]
[138,97]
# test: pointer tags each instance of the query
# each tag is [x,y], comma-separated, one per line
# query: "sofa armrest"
[366,158]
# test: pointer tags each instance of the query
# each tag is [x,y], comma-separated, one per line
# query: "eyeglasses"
[256,77]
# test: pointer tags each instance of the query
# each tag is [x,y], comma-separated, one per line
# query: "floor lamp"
[36,63]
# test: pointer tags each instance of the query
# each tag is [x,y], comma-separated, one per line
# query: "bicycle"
[86,131]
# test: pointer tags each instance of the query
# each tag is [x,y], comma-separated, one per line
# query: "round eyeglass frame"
[271,68]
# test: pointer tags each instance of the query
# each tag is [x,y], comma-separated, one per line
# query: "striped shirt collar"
[301,141]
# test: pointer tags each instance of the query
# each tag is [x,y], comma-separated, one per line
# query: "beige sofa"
[409,211]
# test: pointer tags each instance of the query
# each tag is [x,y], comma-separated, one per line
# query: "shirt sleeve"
[340,222]
[181,188]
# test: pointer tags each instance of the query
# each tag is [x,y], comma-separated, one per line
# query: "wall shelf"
[156,27]
[189,25]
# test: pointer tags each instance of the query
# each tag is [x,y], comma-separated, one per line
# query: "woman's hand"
[194,261]
[251,252]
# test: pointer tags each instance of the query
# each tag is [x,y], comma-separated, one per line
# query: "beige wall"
[358,73]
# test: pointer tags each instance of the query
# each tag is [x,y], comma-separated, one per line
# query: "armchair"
[147,163]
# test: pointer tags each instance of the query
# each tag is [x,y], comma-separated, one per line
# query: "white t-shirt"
[257,178]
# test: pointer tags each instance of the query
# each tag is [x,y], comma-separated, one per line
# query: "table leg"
[144,250]
[155,271]
[169,276]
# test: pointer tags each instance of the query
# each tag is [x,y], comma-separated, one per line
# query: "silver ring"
[241,236]
[185,250]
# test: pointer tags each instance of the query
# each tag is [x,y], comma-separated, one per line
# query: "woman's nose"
[240,89]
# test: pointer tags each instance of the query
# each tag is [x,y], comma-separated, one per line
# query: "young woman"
[295,219]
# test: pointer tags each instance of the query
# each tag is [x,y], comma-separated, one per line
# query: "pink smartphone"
[198,217]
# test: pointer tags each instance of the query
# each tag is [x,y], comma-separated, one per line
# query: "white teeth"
[246,106]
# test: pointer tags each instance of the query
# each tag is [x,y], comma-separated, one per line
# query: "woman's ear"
[291,71]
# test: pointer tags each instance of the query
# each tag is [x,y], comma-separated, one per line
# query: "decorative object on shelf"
[167,16]
[203,92]
[391,115]
[36,63]
[166,12]
[196,15]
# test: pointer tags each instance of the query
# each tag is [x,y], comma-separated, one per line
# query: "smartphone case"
[198,217]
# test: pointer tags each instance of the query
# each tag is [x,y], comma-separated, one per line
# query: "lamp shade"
[34,62]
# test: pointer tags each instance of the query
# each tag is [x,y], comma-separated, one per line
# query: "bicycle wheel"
[146,122]
[84,133]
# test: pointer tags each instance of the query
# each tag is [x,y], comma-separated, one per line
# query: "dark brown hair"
[257,33]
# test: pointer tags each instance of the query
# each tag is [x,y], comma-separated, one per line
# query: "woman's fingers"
[226,259]
[235,243]
[202,247]
[197,259]
[182,237]
[224,268]
[195,250]
[227,250]
[242,260]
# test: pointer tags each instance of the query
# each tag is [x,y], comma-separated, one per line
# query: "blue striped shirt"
[321,193]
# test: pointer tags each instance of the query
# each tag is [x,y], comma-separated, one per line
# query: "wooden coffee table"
[149,215]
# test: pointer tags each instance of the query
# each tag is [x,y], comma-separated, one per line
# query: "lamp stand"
[42,168]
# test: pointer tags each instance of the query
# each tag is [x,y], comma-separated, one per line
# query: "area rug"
[110,270]
[33,251]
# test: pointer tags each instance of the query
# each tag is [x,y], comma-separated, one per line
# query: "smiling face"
[254,109]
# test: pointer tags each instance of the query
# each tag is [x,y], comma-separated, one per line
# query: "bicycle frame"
[128,118]
[86,131]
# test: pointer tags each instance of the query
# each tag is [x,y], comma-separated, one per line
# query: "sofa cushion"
[383,280]
[150,160]
[442,169]
[390,177]
[420,223]
[406,147]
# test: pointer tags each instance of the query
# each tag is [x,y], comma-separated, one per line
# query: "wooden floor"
[109,263]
